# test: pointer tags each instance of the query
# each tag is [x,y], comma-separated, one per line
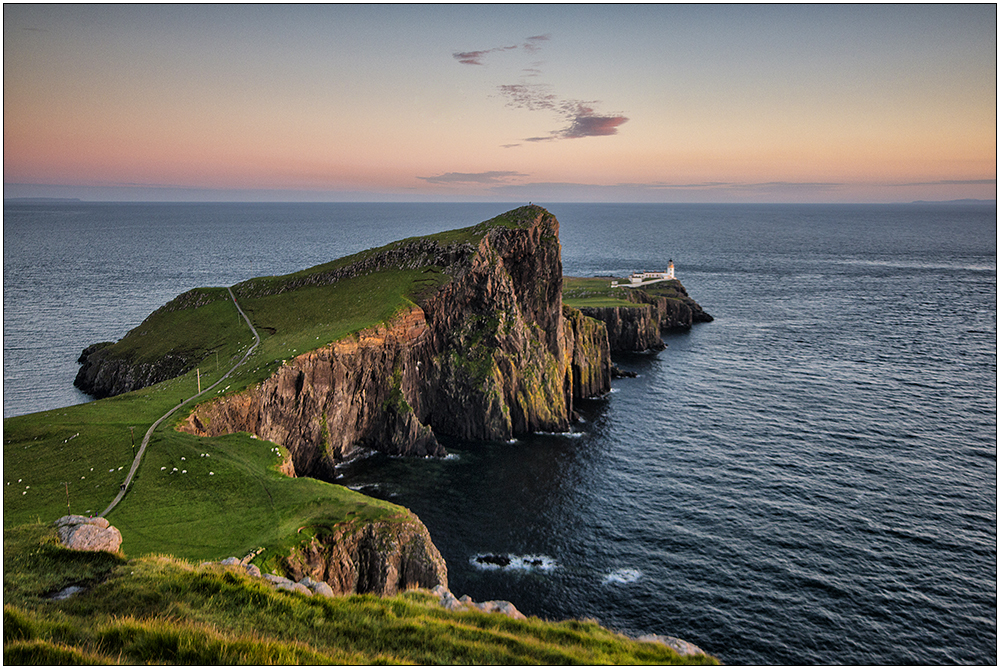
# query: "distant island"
[39,200]
[963,201]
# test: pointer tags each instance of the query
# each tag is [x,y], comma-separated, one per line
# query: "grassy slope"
[160,609]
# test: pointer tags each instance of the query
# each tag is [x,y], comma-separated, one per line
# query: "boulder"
[88,534]
[450,602]
[318,587]
[682,647]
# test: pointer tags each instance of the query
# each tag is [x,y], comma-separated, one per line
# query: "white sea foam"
[509,562]
[354,458]
[622,576]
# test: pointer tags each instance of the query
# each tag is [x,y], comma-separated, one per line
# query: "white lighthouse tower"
[670,269]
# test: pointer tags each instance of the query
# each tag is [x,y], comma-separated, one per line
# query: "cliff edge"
[489,353]
[635,317]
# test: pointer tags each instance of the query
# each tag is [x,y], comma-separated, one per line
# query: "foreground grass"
[159,609]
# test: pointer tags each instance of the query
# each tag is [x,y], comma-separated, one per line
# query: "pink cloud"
[531,44]
[582,120]
[491,177]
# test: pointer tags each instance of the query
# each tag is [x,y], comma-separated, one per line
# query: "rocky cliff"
[661,308]
[382,558]
[489,355]
[674,307]
[104,375]
[630,328]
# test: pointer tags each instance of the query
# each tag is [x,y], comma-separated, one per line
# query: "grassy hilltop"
[581,292]
[196,499]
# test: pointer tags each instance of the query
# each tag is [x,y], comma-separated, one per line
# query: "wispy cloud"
[956,182]
[491,177]
[580,116]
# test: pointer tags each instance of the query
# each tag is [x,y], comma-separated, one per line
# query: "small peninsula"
[471,333]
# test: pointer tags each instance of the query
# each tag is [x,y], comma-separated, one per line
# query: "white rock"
[88,534]
[682,647]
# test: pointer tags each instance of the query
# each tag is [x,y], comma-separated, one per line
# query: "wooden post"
[199,380]
[66,483]
[132,431]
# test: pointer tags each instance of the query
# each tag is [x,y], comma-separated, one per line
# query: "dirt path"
[149,433]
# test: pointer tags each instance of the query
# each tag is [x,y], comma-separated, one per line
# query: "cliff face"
[101,375]
[676,312]
[590,366]
[638,328]
[382,558]
[489,355]
[630,328]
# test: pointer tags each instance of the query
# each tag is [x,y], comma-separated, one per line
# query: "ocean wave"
[361,455]
[493,561]
[569,435]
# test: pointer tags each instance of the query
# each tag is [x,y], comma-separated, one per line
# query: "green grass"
[579,292]
[230,500]
[159,609]
[593,292]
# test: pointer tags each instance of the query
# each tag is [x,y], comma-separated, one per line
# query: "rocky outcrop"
[663,308]
[103,375]
[590,363]
[382,557]
[490,355]
[112,368]
[88,534]
[629,328]
[674,312]
[679,646]
[465,603]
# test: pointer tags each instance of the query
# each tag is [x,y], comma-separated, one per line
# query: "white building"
[644,278]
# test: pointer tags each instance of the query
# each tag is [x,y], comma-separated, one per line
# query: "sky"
[545,103]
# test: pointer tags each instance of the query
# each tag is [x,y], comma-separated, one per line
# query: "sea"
[811,478]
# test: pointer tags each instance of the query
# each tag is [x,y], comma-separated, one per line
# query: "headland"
[465,333]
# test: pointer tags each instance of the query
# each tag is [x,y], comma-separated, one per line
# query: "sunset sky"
[552,103]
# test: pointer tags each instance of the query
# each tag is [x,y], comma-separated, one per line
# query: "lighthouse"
[670,269]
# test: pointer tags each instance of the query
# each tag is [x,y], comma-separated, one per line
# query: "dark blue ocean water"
[810,479]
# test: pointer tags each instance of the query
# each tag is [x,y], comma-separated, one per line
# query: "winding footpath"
[149,433]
